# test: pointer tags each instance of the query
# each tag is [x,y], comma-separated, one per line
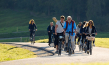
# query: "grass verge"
[8,52]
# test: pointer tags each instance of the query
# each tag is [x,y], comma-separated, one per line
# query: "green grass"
[8,52]
[18,20]
[99,42]
[24,39]
[102,42]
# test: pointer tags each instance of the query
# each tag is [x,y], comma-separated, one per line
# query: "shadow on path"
[39,51]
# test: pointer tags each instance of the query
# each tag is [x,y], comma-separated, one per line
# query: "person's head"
[91,23]
[31,21]
[69,18]
[51,23]
[86,24]
[62,18]
[80,23]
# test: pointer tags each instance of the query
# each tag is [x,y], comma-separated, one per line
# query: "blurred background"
[15,16]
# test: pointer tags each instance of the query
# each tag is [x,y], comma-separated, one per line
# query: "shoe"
[54,46]
[77,43]
[73,52]
[93,44]
[87,51]
[56,52]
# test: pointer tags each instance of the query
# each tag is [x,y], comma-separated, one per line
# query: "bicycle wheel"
[69,48]
[59,52]
[90,48]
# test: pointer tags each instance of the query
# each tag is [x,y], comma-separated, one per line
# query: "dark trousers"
[31,32]
[79,37]
[83,38]
[57,38]
[50,39]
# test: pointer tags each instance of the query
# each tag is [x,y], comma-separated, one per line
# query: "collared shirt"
[60,28]
[69,28]
[51,27]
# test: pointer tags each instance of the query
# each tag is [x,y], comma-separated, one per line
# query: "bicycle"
[52,38]
[81,45]
[69,48]
[89,38]
[32,39]
[61,38]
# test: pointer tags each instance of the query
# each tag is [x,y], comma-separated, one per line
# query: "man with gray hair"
[70,26]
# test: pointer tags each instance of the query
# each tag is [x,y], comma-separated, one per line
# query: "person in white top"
[59,31]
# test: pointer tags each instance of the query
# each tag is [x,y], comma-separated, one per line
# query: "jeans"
[72,40]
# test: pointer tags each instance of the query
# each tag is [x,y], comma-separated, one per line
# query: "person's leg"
[72,43]
[56,42]
[79,37]
[87,45]
[66,38]
[49,38]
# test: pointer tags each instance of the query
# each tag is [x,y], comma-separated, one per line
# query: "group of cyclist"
[62,27]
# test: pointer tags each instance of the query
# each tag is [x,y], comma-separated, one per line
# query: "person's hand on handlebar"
[36,29]
[55,33]
[29,29]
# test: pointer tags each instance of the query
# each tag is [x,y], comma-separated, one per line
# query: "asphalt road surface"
[99,55]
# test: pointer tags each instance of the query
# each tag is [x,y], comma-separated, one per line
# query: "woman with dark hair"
[90,29]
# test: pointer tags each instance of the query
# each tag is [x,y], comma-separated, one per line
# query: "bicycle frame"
[33,37]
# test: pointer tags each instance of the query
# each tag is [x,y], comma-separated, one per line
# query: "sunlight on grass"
[102,42]
[99,42]
[8,52]
[42,41]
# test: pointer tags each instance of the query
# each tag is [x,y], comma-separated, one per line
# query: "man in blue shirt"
[70,26]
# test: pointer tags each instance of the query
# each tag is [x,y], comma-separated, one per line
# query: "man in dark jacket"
[50,30]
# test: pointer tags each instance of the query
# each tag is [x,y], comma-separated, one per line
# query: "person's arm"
[53,29]
[35,27]
[29,27]
[48,29]
[56,26]
[74,27]
[95,31]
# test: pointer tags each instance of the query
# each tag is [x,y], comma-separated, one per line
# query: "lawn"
[8,52]
[99,42]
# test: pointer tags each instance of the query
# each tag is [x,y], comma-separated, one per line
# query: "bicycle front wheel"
[60,44]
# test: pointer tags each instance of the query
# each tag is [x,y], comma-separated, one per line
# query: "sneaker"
[87,51]
[73,52]
[93,44]
[56,52]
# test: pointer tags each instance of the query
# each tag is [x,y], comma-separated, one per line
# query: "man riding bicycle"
[32,26]
[51,30]
[70,26]
[59,31]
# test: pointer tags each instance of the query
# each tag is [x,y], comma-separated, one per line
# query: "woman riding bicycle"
[90,29]
[32,26]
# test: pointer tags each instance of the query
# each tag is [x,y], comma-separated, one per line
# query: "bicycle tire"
[59,53]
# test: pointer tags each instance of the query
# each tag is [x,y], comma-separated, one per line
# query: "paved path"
[99,55]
